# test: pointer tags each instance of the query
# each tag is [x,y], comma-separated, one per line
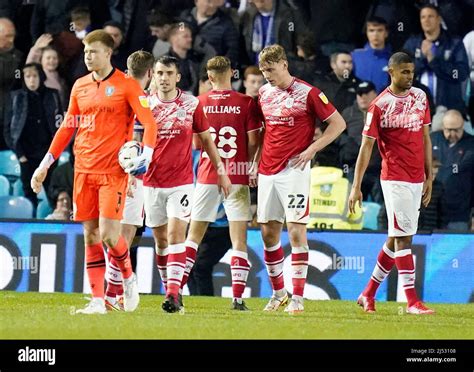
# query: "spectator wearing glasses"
[455,150]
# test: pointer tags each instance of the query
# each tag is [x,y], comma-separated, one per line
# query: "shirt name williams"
[221,109]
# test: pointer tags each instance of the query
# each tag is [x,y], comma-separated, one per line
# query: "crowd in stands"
[340,46]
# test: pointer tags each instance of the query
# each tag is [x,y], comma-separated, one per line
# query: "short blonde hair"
[218,65]
[139,62]
[272,54]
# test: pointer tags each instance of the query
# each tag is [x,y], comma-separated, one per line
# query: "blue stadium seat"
[371,211]
[42,194]
[43,209]
[64,158]
[9,165]
[15,207]
[18,188]
[4,186]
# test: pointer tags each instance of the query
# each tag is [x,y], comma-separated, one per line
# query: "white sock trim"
[388,252]
[161,251]
[303,249]
[403,253]
[274,248]
[177,248]
[240,254]
[191,244]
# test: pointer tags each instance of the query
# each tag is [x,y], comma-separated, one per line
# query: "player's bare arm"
[428,184]
[335,128]
[253,146]
[209,146]
[363,159]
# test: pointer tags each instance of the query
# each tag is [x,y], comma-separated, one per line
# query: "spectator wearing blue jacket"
[371,62]
[454,148]
[441,61]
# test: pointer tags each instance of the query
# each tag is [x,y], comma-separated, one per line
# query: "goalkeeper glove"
[140,164]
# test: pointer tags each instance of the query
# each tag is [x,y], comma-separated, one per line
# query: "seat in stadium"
[18,188]
[15,207]
[9,165]
[4,186]
[371,212]
[43,209]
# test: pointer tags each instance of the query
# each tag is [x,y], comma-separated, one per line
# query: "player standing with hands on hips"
[399,120]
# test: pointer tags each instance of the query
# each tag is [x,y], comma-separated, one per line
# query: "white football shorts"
[207,200]
[284,195]
[164,203]
[402,202]
[133,212]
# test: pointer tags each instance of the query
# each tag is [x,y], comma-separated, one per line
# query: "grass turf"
[48,316]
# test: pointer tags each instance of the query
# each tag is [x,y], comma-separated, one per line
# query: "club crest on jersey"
[289,102]
[181,114]
[109,90]
[323,98]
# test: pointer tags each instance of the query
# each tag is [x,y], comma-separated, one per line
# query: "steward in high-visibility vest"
[328,201]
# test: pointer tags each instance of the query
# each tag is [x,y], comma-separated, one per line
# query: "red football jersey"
[397,124]
[290,121]
[176,120]
[231,115]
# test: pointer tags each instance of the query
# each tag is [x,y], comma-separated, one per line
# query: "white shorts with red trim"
[134,212]
[402,202]
[164,203]
[207,200]
[284,195]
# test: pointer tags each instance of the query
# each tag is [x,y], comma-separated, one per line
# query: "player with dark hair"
[399,120]
[168,184]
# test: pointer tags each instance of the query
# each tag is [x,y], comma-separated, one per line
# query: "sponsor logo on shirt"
[281,120]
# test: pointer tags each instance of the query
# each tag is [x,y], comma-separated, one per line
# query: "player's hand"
[38,178]
[300,161]
[354,198]
[139,165]
[132,185]
[224,184]
[253,175]
[427,189]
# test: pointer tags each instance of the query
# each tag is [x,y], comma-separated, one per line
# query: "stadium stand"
[4,186]
[43,209]
[15,207]
[371,211]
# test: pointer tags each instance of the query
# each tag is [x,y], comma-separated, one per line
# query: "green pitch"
[48,316]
